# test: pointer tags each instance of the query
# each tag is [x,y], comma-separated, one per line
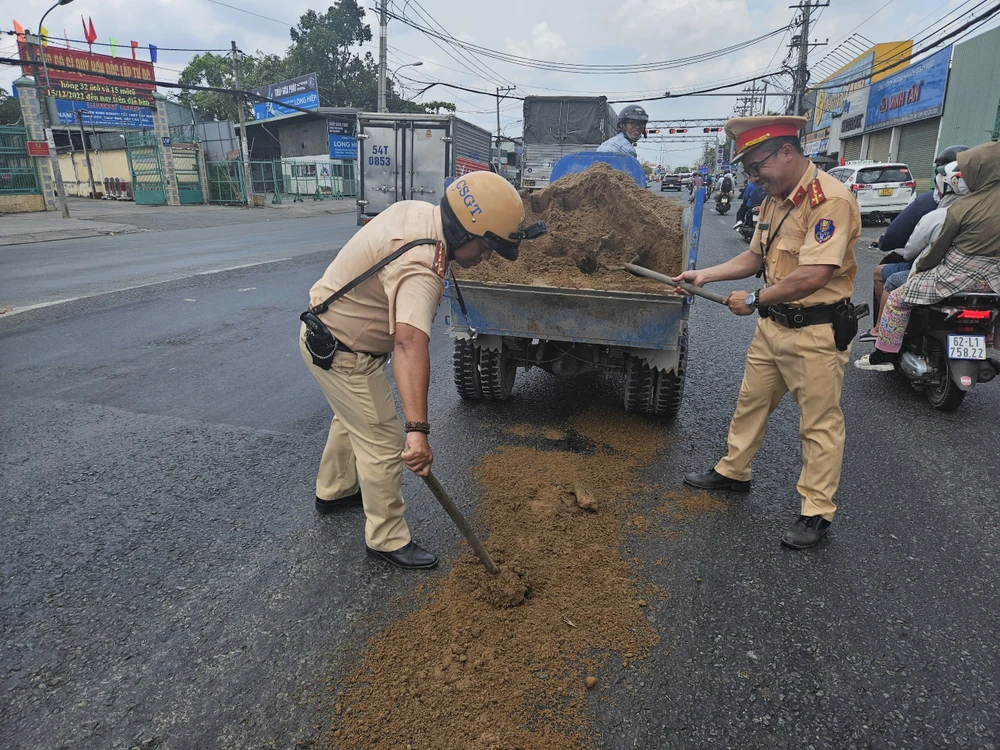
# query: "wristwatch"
[751,300]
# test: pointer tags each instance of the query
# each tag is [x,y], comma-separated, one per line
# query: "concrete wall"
[16,204]
[305,139]
[104,164]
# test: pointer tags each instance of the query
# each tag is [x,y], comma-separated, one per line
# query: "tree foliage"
[10,108]
[322,43]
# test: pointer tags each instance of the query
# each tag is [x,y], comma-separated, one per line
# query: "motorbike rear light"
[975,314]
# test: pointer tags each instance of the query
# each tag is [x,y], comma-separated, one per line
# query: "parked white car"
[883,189]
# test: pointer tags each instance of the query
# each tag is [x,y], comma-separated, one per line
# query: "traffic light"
[711,130]
[653,132]
[674,131]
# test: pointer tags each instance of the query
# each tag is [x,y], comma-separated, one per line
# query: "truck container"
[555,126]
[414,157]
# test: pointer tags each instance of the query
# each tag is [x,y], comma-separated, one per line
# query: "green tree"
[256,70]
[10,108]
[324,44]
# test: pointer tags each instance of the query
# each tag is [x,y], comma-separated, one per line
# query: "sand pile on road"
[499,664]
[597,219]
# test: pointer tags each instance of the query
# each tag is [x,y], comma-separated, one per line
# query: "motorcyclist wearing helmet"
[895,237]
[391,312]
[631,127]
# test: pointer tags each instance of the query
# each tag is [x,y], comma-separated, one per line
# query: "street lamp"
[41,23]
[59,185]
[407,65]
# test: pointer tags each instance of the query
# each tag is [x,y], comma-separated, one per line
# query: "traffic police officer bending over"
[631,127]
[377,297]
[804,246]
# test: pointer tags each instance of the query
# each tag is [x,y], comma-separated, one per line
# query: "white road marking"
[53,303]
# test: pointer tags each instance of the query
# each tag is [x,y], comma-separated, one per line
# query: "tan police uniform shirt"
[822,227]
[408,290]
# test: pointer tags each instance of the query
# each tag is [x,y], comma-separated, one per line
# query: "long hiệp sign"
[302,92]
[915,93]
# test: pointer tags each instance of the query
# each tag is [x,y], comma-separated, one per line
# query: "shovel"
[456,515]
[689,288]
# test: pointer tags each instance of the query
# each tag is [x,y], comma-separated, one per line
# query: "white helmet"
[948,180]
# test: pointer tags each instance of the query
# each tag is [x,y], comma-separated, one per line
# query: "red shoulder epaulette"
[799,196]
[440,260]
[815,193]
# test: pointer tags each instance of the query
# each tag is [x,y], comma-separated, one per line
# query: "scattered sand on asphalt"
[597,219]
[469,671]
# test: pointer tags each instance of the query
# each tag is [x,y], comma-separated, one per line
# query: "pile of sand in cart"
[597,219]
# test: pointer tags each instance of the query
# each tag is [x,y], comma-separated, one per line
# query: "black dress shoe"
[713,480]
[805,533]
[332,506]
[411,557]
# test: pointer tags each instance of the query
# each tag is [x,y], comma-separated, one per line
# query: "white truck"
[558,125]
[414,157]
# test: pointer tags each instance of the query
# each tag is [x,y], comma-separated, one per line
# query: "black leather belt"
[799,317]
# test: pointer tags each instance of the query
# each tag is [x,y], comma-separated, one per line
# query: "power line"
[613,69]
[107,44]
[250,13]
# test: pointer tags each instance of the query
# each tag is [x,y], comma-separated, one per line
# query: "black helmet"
[632,112]
[949,155]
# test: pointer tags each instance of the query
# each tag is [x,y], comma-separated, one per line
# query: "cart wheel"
[669,389]
[465,365]
[639,381]
[496,372]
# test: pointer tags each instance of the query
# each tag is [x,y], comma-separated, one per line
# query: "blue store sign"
[299,92]
[343,138]
[915,93]
[104,115]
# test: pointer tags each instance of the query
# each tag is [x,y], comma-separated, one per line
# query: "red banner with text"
[88,81]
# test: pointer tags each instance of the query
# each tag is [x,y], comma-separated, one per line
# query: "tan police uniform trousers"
[365,444]
[805,362]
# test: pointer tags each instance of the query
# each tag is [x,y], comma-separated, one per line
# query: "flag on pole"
[152,53]
[114,46]
[135,46]
[19,31]
[92,34]
[66,37]
[44,33]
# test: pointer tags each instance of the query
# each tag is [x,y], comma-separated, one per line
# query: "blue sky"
[628,32]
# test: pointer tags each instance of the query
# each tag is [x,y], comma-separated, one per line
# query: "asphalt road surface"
[166,581]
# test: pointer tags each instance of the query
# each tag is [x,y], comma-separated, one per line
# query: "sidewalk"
[96,218]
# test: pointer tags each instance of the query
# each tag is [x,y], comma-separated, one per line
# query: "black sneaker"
[805,533]
[343,503]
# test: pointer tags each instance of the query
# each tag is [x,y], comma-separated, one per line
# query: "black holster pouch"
[320,343]
[845,323]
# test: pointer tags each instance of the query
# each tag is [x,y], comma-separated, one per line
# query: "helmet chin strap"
[455,234]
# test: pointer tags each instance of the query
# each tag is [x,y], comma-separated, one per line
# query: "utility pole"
[86,154]
[763,103]
[383,23]
[42,90]
[802,69]
[244,149]
[500,90]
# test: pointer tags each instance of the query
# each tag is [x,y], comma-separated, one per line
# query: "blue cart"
[568,332]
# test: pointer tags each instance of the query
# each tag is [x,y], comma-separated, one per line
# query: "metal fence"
[281,180]
[18,175]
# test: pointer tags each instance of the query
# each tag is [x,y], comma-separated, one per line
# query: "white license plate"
[966,347]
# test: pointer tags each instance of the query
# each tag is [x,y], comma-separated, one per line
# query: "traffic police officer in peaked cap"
[631,127]
[804,250]
[377,297]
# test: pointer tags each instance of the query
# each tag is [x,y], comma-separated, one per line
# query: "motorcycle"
[944,347]
[722,203]
[748,227]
